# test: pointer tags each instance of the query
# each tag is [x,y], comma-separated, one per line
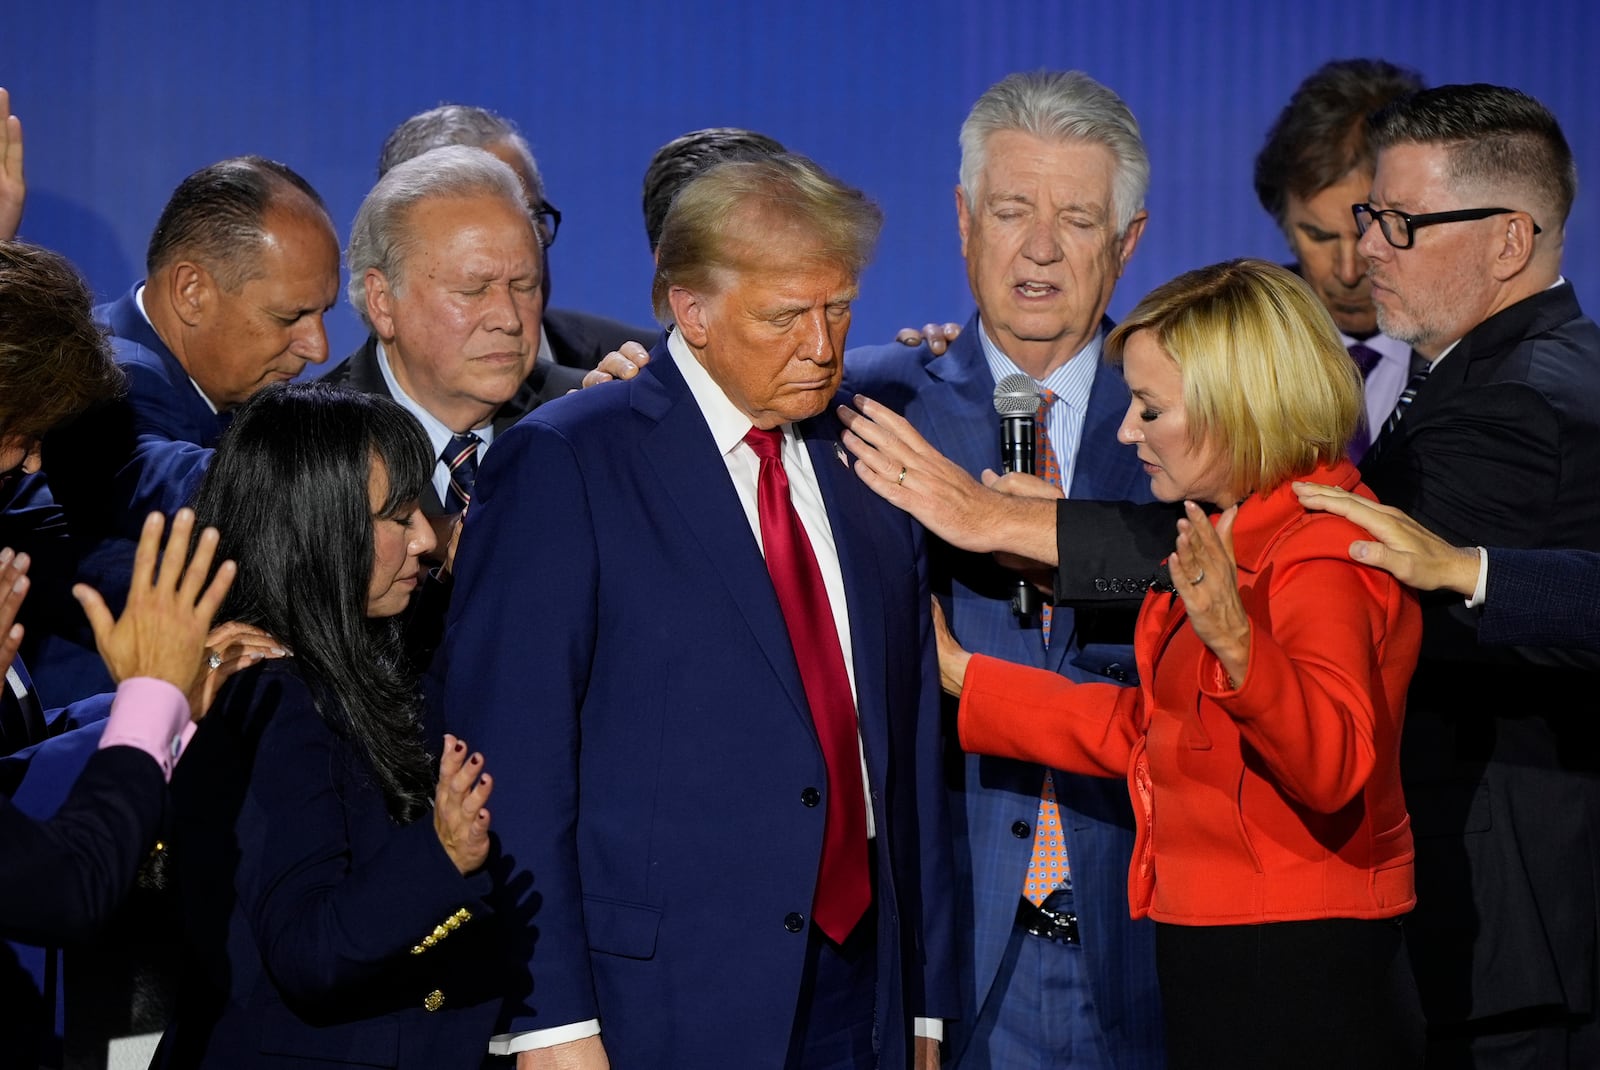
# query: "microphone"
[1016,399]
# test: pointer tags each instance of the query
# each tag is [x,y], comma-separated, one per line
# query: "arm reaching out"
[1400,546]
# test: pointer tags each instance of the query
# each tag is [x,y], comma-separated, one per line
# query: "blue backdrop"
[121,100]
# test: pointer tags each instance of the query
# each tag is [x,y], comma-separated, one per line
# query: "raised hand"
[162,631]
[13,190]
[1207,579]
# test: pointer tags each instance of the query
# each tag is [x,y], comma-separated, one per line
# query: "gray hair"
[1060,106]
[381,237]
[456,124]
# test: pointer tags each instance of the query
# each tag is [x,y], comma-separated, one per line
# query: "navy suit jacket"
[107,470]
[1542,597]
[303,901]
[950,399]
[655,758]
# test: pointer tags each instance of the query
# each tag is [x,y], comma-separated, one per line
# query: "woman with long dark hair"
[329,918]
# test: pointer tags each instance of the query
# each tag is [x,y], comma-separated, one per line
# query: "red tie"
[844,890]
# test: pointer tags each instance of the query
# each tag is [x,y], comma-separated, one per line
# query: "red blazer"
[1277,801]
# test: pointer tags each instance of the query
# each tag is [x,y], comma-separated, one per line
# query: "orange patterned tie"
[1048,868]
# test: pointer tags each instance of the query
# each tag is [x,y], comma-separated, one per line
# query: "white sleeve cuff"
[533,1039]
[1480,591]
[932,1028]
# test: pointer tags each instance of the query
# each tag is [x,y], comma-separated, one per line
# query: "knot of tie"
[460,457]
[766,442]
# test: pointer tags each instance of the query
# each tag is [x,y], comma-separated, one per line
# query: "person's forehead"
[1010,151]
[1411,170]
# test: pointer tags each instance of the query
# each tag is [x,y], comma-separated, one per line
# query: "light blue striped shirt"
[1070,383]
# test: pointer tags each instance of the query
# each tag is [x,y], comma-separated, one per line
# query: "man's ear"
[1130,240]
[191,291]
[1515,247]
[380,303]
[691,313]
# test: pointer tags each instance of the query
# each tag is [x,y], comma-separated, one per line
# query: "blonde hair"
[732,216]
[1265,376]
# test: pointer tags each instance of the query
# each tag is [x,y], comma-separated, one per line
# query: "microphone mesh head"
[1016,395]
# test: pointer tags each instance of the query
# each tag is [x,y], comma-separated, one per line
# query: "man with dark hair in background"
[686,156]
[566,337]
[1316,163]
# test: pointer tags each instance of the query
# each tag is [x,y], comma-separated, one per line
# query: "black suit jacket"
[62,878]
[1501,767]
[579,340]
[546,382]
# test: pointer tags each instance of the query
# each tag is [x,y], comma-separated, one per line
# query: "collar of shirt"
[1390,349]
[138,300]
[728,425]
[438,434]
[1070,383]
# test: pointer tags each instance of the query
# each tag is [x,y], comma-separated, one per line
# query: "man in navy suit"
[726,832]
[242,265]
[1050,208]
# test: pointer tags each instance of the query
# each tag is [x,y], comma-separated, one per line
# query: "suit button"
[1021,830]
[1116,672]
[433,1001]
[811,796]
[794,922]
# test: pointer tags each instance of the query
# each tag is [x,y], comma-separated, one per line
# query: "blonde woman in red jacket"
[1262,745]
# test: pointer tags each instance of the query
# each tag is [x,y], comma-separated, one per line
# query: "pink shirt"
[150,715]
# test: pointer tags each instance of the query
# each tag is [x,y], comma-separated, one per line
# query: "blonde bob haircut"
[732,217]
[1265,377]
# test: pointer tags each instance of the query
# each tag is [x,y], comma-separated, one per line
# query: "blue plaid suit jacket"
[950,400]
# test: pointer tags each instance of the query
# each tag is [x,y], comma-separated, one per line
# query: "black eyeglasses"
[548,217]
[1400,228]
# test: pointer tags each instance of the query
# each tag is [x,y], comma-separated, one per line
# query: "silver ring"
[1196,581]
[900,480]
[214,661]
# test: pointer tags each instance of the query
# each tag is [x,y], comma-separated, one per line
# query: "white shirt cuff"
[1480,591]
[932,1028]
[533,1039]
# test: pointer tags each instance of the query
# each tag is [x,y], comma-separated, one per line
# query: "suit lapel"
[856,538]
[691,472]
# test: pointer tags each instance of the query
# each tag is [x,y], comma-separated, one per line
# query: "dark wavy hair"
[288,491]
[54,361]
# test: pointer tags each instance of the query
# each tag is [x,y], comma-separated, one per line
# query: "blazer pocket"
[618,928]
